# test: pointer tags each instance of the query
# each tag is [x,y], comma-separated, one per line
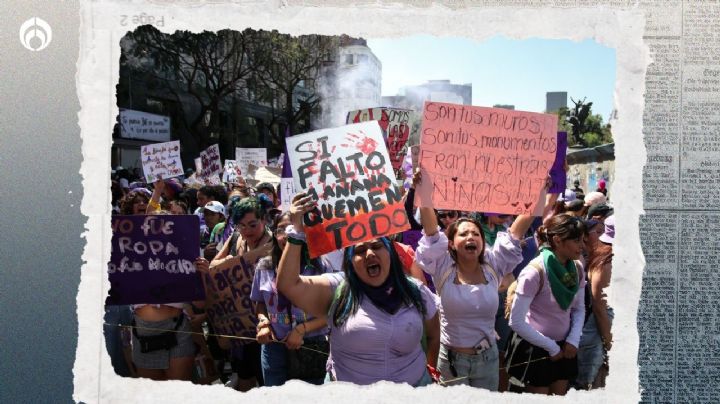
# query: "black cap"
[599,209]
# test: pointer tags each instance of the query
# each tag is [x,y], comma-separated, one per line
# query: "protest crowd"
[498,301]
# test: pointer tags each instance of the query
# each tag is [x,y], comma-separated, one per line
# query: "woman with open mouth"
[466,276]
[375,312]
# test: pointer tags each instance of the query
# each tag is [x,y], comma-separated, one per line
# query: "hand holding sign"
[302,204]
[423,189]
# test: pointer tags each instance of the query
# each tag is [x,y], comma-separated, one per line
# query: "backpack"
[510,299]
[511,290]
[446,275]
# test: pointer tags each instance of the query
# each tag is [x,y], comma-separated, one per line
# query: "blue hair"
[349,294]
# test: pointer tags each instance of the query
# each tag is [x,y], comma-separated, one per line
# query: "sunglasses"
[449,215]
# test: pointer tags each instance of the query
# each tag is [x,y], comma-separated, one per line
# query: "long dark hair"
[305,261]
[565,226]
[452,231]
[350,295]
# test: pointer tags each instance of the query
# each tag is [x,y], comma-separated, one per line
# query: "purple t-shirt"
[264,290]
[467,312]
[545,314]
[373,345]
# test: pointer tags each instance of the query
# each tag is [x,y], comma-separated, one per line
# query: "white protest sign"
[142,125]
[161,161]
[210,162]
[268,174]
[231,172]
[287,192]
[348,171]
[247,156]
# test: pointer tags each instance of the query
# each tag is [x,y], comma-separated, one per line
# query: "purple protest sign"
[152,260]
[557,172]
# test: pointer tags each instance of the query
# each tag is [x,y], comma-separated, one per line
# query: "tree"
[286,69]
[277,70]
[207,66]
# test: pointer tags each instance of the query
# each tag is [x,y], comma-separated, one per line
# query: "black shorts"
[531,365]
[247,363]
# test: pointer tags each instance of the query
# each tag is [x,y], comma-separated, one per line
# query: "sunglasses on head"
[450,215]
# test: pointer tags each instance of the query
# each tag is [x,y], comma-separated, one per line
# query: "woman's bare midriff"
[152,313]
[466,351]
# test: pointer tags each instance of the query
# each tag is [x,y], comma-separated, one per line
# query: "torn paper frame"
[103,23]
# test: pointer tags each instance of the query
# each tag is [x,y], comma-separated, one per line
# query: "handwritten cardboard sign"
[347,171]
[486,159]
[228,304]
[210,164]
[397,125]
[152,260]
[557,172]
[161,161]
[246,156]
[231,172]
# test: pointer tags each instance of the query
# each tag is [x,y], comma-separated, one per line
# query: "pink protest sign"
[486,159]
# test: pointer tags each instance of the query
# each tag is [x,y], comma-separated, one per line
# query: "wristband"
[295,241]
[154,205]
[294,236]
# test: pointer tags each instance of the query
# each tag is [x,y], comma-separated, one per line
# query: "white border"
[98,68]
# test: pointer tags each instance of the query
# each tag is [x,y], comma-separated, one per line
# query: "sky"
[502,70]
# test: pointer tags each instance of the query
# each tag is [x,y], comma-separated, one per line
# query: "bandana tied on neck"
[563,279]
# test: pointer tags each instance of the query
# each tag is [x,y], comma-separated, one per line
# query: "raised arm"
[312,294]
[427,213]
[154,203]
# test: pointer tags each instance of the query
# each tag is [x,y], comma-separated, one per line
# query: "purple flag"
[557,172]
[286,170]
[153,260]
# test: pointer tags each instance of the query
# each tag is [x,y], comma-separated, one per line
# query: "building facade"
[554,100]
[413,97]
[350,82]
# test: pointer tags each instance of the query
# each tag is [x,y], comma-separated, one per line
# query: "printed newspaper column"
[347,172]
[161,161]
[152,260]
[485,159]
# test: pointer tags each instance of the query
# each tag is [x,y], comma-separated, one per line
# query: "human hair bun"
[542,234]
[265,202]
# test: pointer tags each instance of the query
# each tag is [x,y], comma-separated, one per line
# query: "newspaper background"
[673,340]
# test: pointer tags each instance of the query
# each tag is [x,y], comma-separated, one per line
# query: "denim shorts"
[591,353]
[479,370]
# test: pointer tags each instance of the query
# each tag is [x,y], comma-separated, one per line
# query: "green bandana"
[563,280]
[490,235]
